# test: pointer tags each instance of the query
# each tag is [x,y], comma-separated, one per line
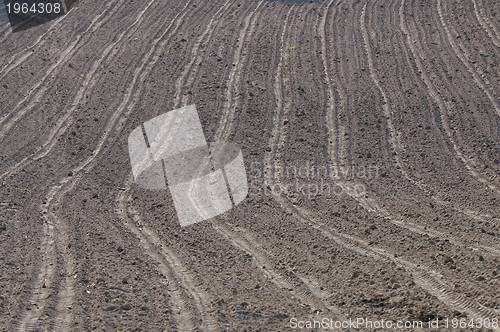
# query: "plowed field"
[370,132]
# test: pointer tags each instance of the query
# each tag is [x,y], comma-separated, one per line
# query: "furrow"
[427,279]
[20,57]
[423,279]
[310,293]
[177,285]
[41,290]
[64,122]
[442,105]
[331,110]
[233,82]
[490,29]
[53,70]
[372,205]
[196,57]
[299,286]
[281,108]
[68,184]
[462,54]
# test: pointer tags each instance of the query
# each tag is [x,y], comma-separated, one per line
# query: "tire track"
[182,285]
[64,122]
[233,82]
[181,81]
[18,58]
[424,277]
[53,70]
[305,290]
[68,184]
[443,107]
[429,281]
[459,51]
[490,29]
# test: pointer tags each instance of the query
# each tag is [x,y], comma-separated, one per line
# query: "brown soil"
[401,97]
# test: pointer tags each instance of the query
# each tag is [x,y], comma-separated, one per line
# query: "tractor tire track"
[196,57]
[18,112]
[490,29]
[188,300]
[68,184]
[64,122]
[424,280]
[234,79]
[429,280]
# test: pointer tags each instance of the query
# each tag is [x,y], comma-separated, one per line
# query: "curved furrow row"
[463,55]
[421,278]
[304,290]
[54,242]
[18,58]
[370,203]
[343,121]
[335,130]
[188,300]
[415,48]
[196,57]
[410,41]
[373,205]
[149,234]
[91,78]
[282,104]
[331,109]
[462,98]
[424,277]
[311,292]
[302,287]
[394,139]
[18,111]
[66,185]
[43,281]
[240,57]
[490,29]
[46,274]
